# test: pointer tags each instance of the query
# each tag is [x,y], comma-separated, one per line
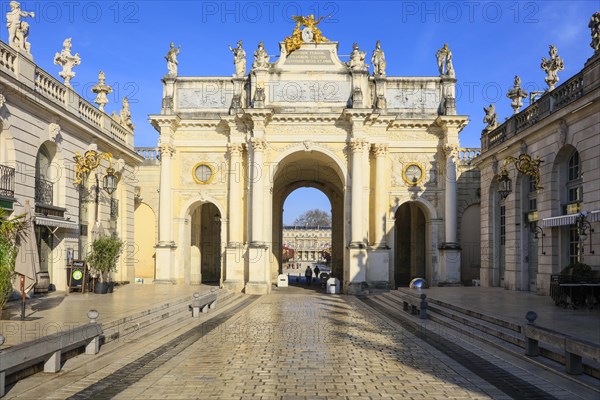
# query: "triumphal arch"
[383,149]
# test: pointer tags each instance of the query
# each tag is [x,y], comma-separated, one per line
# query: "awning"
[57,223]
[563,220]
[594,216]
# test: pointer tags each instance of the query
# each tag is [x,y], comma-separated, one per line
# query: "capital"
[357,145]
[235,149]
[258,144]
[166,150]
[380,149]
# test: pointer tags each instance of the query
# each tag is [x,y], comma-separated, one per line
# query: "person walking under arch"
[308,274]
[317,271]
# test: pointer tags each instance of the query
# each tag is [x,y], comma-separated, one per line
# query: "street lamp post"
[88,163]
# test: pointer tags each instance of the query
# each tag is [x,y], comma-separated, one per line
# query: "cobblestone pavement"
[292,346]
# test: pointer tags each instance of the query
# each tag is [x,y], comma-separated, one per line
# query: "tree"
[314,218]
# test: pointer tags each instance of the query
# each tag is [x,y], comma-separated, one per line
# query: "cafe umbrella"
[27,264]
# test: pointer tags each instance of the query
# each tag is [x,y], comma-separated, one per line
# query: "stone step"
[503,322]
[155,312]
[80,368]
[450,323]
[453,330]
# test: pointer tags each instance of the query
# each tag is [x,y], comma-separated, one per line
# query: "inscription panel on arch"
[290,92]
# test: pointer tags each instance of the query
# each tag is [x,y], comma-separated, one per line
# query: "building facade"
[307,242]
[383,149]
[44,127]
[540,183]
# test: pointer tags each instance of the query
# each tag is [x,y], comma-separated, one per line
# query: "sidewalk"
[60,312]
[513,305]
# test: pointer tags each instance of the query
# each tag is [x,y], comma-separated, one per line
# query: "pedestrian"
[308,273]
[317,271]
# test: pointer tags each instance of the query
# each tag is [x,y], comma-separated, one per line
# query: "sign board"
[77,275]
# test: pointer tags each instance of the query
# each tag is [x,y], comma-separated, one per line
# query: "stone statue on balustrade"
[67,61]
[261,58]
[516,94]
[594,25]
[357,59]
[378,60]
[171,58]
[18,30]
[552,66]
[101,90]
[444,61]
[491,118]
[125,115]
[239,60]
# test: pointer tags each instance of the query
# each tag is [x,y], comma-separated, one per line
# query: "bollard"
[423,308]
[93,347]
[93,315]
[532,348]
[196,305]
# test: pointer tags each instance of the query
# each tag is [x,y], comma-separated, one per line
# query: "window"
[574,180]
[573,244]
[532,196]
[502,225]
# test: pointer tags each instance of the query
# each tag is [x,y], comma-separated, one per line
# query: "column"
[257,249]
[165,230]
[357,236]
[450,250]
[451,209]
[234,251]
[380,151]
[165,249]
[235,195]
[257,179]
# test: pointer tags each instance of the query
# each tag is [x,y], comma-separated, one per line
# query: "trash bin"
[282,281]
[333,286]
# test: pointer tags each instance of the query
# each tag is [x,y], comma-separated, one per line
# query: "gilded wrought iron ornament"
[525,165]
[295,41]
[87,163]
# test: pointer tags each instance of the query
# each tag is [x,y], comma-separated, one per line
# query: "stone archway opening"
[306,245]
[410,236]
[205,245]
[313,170]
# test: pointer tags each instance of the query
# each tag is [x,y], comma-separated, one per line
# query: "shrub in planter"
[579,272]
[103,257]
[9,229]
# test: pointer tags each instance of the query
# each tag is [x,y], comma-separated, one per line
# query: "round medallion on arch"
[412,173]
[203,173]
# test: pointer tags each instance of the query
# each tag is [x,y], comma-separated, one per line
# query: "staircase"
[461,324]
[124,339]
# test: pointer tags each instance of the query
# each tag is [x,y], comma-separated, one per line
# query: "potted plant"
[9,230]
[103,260]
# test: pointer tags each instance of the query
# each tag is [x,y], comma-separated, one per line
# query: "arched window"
[44,190]
[574,198]
[574,195]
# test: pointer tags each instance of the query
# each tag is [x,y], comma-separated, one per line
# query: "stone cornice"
[205,123]
[457,122]
[159,121]
[410,124]
[305,118]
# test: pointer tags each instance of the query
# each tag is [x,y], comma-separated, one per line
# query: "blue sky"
[491,41]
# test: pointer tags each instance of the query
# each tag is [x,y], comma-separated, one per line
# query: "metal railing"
[44,191]
[7,181]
